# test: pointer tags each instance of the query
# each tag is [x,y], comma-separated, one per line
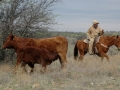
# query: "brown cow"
[57,44]
[32,55]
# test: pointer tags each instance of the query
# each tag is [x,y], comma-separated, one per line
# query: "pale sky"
[78,15]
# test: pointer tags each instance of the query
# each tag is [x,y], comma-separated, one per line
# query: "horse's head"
[117,42]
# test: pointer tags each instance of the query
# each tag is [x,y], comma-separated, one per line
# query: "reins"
[97,41]
[103,45]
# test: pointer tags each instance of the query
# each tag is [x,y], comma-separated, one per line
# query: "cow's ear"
[117,36]
[12,37]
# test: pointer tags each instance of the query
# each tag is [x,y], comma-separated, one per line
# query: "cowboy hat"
[95,22]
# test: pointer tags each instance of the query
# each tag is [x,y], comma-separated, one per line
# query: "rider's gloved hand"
[98,34]
[88,39]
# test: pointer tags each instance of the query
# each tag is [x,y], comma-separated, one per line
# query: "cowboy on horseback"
[92,32]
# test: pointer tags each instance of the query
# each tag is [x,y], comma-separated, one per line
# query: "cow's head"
[8,42]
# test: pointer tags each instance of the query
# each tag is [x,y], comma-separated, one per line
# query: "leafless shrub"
[22,17]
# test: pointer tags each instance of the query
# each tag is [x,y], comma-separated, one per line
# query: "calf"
[32,55]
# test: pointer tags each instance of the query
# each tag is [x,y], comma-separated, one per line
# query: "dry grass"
[91,74]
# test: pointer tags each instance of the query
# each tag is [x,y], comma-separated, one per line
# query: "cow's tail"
[75,51]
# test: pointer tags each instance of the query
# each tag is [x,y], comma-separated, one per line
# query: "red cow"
[32,55]
[57,45]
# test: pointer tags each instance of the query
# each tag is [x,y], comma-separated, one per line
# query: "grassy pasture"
[91,74]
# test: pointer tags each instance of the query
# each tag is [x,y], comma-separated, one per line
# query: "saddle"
[96,40]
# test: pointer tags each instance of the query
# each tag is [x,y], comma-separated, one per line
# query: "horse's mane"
[109,37]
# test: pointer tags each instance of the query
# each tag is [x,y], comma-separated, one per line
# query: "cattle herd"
[42,51]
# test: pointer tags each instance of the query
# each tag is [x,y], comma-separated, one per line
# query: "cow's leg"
[60,60]
[23,66]
[16,66]
[63,60]
[44,68]
[32,67]
[44,64]
[18,62]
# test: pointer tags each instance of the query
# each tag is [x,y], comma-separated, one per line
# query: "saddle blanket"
[86,40]
[96,40]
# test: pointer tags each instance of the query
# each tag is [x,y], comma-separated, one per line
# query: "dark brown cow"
[57,45]
[32,55]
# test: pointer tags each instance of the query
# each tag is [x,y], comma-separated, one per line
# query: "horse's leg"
[102,58]
[105,55]
[81,55]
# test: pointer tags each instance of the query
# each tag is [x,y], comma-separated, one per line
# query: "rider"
[92,32]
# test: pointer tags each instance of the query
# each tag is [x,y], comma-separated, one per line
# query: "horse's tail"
[75,51]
